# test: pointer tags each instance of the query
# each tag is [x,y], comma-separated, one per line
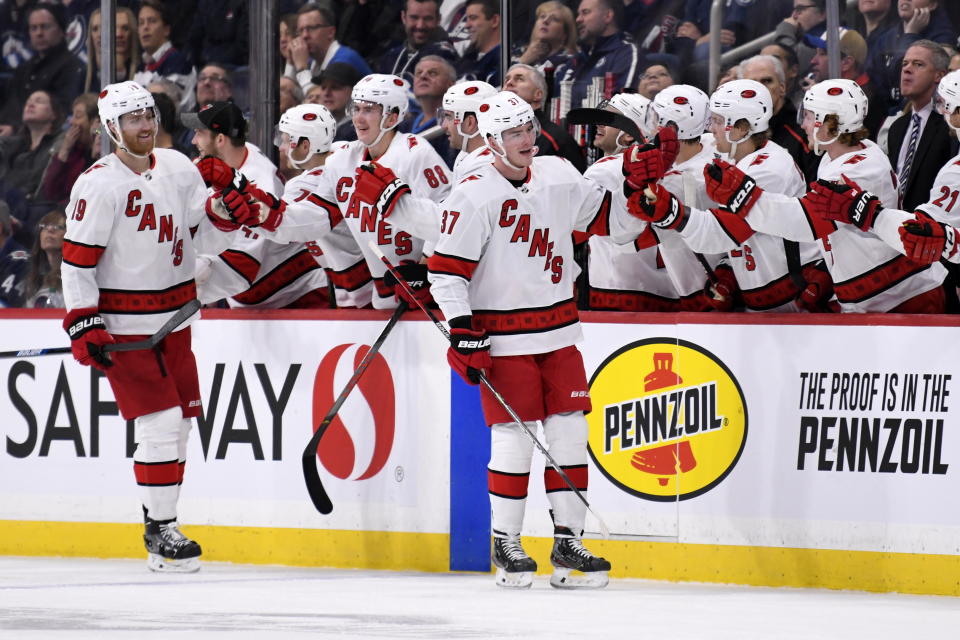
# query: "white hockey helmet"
[841,98]
[120,98]
[948,96]
[637,108]
[311,121]
[741,100]
[685,106]
[390,92]
[464,98]
[503,111]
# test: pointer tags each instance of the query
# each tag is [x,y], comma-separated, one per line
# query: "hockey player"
[503,274]
[458,118]
[868,274]
[766,272]
[135,223]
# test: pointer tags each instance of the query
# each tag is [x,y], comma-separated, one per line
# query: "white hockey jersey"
[759,263]
[132,240]
[505,253]
[467,163]
[868,274]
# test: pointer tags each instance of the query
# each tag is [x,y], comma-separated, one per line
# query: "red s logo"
[337,451]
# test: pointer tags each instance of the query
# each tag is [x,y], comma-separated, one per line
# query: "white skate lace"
[512,548]
[577,547]
[172,535]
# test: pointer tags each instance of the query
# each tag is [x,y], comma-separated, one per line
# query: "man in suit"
[919,141]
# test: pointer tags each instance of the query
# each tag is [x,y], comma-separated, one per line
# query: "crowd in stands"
[565,54]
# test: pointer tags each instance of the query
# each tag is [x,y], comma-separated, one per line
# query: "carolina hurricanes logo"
[398,82]
[366,444]
[309,116]
[855,159]
[412,142]
[748,93]
[834,91]
[680,100]
[103,94]
[484,108]
[469,91]
[759,159]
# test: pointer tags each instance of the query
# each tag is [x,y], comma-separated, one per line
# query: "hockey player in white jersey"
[458,118]
[764,271]
[503,274]
[868,274]
[136,221]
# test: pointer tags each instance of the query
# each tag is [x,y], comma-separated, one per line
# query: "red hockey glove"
[816,295]
[724,293]
[415,275]
[379,186]
[268,207]
[731,187]
[218,174]
[87,337]
[845,202]
[926,241]
[644,164]
[662,210]
[469,352]
[241,211]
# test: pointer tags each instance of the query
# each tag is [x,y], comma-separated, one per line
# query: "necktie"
[908,159]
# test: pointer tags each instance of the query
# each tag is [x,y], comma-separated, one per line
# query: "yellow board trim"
[759,566]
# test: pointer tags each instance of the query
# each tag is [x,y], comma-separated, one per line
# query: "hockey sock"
[508,475]
[156,464]
[566,439]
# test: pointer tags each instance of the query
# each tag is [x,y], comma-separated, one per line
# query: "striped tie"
[908,160]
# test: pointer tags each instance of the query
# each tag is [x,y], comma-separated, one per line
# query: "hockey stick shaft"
[311,475]
[496,394]
[175,321]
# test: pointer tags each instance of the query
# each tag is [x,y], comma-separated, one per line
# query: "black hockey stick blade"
[607,119]
[175,321]
[311,474]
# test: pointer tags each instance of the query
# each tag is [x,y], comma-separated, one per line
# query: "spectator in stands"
[43,287]
[919,141]
[167,88]
[919,20]
[73,155]
[431,79]
[873,18]
[604,49]
[170,135]
[160,58]
[336,83]
[13,262]
[421,23]
[316,46]
[26,154]
[783,126]
[728,74]
[791,70]
[220,33]
[654,79]
[288,31]
[214,84]
[808,17]
[529,83]
[290,93]
[126,44]
[481,60]
[371,27]
[52,69]
[553,41]
[693,34]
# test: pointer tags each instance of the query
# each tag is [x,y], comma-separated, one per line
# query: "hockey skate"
[574,567]
[169,550]
[515,568]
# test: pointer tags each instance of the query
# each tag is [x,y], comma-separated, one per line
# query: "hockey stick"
[496,394]
[607,119]
[175,321]
[311,475]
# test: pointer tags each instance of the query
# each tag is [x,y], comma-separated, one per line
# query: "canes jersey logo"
[669,420]
[359,440]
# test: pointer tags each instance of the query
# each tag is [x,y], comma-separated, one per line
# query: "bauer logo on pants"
[669,419]
[360,438]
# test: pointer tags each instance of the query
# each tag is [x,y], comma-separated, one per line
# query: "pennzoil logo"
[669,419]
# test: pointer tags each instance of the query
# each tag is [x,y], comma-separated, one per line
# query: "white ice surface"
[97,599]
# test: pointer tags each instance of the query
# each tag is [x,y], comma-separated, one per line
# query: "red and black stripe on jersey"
[819,227]
[626,300]
[733,225]
[553,481]
[444,264]
[333,211]
[284,274]
[600,225]
[771,295]
[351,278]
[132,301]
[512,486]
[877,280]
[243,263]
[83,256]
[532,320]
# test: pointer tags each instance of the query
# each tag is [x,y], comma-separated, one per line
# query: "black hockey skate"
[574,567]
[169,550]
[515,568]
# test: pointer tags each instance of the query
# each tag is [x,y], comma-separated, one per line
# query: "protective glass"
[444,116]
[135,119]
[363,107]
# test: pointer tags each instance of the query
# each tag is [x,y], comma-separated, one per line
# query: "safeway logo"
[359,448]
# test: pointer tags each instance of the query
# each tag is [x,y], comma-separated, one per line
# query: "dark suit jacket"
[935,147]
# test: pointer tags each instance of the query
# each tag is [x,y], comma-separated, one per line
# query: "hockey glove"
[816,295]
[731,187]
[415,275]
[657,206]
[722,294]
[845,202]
[469,352]
[645,164]
[379,186]
[926,241]
[87,337]
[218,174]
